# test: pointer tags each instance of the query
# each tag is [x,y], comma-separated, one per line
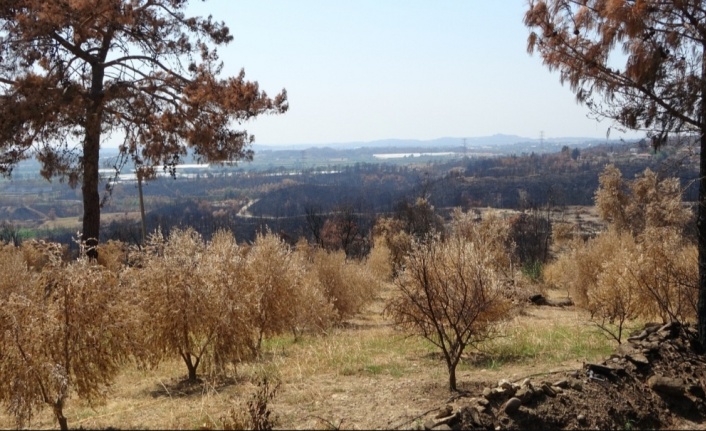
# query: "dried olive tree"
[639,63]
[63,330]
[194,301]
[450,294]
[75,72]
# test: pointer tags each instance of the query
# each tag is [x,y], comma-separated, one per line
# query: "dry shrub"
[113,254]
[284,301]
[450,294]
[645,202]
[391,233]
[642,267]
[348,285]
[62,331]
[380,260]
[13,268]
[491,233]
[196,305]
[577,269]
[38,253]
[256,415]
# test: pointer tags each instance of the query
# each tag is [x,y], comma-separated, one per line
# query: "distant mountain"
[446,142]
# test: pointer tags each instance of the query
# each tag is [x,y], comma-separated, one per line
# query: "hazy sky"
[411,69]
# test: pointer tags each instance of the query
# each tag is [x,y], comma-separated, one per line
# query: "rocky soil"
[655,380]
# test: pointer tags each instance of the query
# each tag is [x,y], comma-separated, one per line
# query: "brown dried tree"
[194,302]
[639,63]
[449,293]
[75,72]
[63,331]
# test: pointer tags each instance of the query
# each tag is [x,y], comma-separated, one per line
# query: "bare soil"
[654,381]
[367,375]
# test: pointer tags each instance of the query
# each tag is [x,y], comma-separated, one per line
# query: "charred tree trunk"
[701,217]
[91,150]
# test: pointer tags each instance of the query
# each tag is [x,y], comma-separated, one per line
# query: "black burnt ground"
[654,380]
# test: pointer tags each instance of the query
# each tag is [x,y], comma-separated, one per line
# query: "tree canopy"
[639,63]
[73,72]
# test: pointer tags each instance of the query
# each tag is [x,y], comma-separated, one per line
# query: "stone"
[547,389]
[486,392]
[526,382]
[581,418]
[442,427]
[697,391]
[474,415]
[446,411]
[649,346]
[429,424]
[482,401]
[512,405]
[576,385]
[574,374]
[638,359]
[505,384]
[525,394]
[666,385]
[563,383]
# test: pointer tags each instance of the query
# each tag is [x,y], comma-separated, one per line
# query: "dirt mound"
[654,380]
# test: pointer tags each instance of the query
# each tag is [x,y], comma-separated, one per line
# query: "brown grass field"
[362,375]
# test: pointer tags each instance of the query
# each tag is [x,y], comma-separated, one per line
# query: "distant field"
[74,222]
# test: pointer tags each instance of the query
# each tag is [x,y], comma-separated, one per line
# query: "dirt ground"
[653,381]
[367,375]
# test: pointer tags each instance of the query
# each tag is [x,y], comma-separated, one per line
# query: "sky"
[366,70]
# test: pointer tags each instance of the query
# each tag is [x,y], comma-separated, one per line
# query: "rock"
[512,405]
[525,394]
[638,359]
[538,299]
[649,346]
[471,414]
[487,392]
[574,374]
[429,424]
[563,383]
[697,391]
[481,401]
[557,389]
[563,302]
[666,385]
[581,418]
[442,427]
[626,349]
[505,384]
[526,383]
[446,411]
[576,385]
[547,389]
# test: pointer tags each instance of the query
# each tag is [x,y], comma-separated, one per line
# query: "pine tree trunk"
[701,217]
[91,151]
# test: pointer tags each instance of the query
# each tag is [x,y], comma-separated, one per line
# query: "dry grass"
[362,375]
[74,222]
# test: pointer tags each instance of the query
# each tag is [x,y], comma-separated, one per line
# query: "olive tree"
[63,330]
[450,293]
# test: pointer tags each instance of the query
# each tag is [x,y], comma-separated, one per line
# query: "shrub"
[450,294]
[63,329]
[347,284]
[284,300]
[195,302]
